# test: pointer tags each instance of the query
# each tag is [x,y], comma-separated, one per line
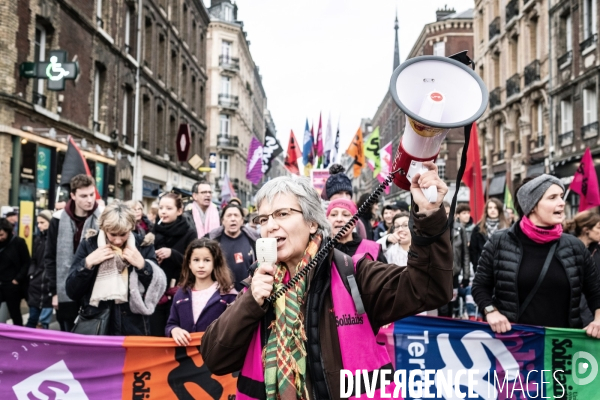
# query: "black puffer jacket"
[39,294]
[495,282]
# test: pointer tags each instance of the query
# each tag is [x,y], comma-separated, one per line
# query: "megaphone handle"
[430,193]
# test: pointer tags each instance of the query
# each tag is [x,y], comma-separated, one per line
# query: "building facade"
[512,56]
[573,88]
[236,100]
[451,33]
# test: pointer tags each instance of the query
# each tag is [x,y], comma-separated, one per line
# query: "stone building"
[512,58]
[573,87]
[451,33]
[236,100]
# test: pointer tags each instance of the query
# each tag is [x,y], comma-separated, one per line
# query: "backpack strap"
[345,267]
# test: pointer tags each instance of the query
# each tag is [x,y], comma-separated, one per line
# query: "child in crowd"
[205,291]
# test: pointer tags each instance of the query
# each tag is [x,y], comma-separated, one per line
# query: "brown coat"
[389,293]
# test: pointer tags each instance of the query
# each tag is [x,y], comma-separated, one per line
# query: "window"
[566,116]
[146,122]
[148,43]
[193,95]
[160,130]
[224,118]
[184,87]
[225,85]
[184,23]
[99,81]
[496,71]
[540,119]
[128,110]
[501,137]
[590,112]
[100,13]
[439,49]
[589,18]
[227,12]
[40,55]
[162,60]
[514,56]
[130,31]
[174,70]
[175,12]
[226,50]
[171,137]
[569,33]
[194,38]
[533,40]
[224,165]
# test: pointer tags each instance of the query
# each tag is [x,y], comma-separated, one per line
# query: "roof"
[461,15]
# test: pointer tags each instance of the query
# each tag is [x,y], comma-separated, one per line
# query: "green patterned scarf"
[284,357]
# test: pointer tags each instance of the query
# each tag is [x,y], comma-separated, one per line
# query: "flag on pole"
[328,145]
[292,156]
[336,146]
[585,183]
[74,164]
[254,162]
[320,138]
[271,150]
[227,191]
[307,148]
[508,200]
[472,176]
[372,152]
[385,156]
[356,150]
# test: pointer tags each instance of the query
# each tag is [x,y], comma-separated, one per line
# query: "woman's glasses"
[279,214]
[399,227]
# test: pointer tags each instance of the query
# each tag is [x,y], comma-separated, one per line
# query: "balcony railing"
[513,85]
[565,139]
[589,131]
[495,97]
[565,59]
[512,10]
[229,63]
[588,42]
[229,101]
[532,72]
[227,141]
[38,99]
[494,28]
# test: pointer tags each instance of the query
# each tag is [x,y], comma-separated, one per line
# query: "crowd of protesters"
[175,269]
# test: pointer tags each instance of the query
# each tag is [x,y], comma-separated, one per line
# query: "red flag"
[472,176]
[320,139]
[293,154]
[585,183]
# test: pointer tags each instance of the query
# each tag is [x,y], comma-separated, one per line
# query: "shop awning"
[497,185]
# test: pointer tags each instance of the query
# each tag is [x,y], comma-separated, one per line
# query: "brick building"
[451,33]
[573,87]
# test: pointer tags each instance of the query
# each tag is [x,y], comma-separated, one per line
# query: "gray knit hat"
[46,214]
[530,193]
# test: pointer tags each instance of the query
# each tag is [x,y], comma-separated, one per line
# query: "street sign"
[184,142]
[56,70]
[196,161]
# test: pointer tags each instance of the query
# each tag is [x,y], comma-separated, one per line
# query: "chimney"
[444,12]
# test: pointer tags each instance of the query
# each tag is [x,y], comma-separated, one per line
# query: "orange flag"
[293,154]
[357,150]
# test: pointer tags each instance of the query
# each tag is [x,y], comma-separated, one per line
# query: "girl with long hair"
[493,220]
[205,291]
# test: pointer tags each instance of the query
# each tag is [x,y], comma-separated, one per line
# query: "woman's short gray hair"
[308,198]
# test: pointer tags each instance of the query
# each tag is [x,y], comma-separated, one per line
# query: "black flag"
[271,149]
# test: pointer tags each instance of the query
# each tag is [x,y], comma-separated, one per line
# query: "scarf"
[167,235]
[211,219]
[112,280]
[284,357]
[491,225]
[540,235]
[78,221]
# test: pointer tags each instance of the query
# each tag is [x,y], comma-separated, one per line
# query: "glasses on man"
[399,227]
[277,215]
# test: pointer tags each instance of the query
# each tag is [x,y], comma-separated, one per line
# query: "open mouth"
[280,241]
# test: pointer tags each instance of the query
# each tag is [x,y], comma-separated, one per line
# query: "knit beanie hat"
[530,193]
[46,214]
[337,181]
[342,203]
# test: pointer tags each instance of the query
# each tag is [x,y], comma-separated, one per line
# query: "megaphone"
[436,94]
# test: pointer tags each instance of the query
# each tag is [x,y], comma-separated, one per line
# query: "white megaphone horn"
[436,94]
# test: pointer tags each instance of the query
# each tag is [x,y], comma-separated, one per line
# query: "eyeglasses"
[279,214]
[398,227]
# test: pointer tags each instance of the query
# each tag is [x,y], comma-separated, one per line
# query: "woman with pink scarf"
[534,274]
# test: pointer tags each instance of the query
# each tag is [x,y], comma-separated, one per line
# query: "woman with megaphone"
[533,273]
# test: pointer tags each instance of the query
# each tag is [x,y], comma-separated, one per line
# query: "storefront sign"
[212,160]
[26,219]
[43,168]
[100,178]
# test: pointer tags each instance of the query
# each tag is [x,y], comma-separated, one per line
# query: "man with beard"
[237,241]
[204,216]
[80,214]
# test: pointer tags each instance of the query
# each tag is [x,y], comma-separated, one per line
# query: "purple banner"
[44,364]
[254,166]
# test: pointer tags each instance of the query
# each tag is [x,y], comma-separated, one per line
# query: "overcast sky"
[334,57]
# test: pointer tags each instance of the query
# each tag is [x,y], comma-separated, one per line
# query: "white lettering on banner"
[55,382]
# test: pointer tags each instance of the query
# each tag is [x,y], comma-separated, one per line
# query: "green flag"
[372,152]
[508,200]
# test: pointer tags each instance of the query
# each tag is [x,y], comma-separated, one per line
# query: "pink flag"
[385,155]
[320,139]
[585,183]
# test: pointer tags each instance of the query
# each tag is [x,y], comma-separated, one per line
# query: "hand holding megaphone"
[422,182]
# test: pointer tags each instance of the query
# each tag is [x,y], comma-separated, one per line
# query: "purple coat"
[182,316]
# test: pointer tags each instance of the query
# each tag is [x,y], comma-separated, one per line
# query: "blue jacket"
[182,316]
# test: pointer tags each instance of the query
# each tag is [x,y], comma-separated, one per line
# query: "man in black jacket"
[14,261]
